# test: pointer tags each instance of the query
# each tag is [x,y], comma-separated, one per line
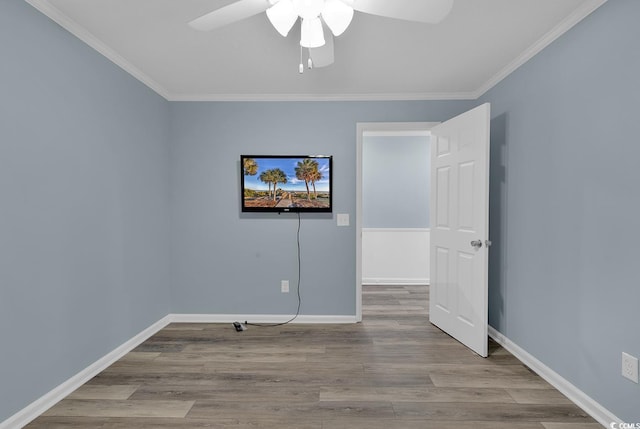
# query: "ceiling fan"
[316,16]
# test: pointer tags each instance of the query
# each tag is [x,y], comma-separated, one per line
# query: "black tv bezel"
[246,209]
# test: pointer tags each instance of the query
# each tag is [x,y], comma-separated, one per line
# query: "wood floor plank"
[294,412]
[128,408]
[423,424]
[270,348]
[400,308]
[388,293]
[488,381]
[153,367]
[413,394]
[114,392]
[547,425]
[230,393]
[67,422]
[496,412]
[538,396]
[393,370]
[481,376]
[210,359]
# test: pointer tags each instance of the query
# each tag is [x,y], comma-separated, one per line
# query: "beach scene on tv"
[286,183]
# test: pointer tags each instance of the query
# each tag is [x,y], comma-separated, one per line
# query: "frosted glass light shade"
[312,34]
[337,16]
[282,16]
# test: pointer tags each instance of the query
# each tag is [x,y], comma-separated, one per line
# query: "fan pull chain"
[301,66]
[309,61]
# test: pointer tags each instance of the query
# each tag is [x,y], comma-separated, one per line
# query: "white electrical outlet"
[284,286]
[630,367]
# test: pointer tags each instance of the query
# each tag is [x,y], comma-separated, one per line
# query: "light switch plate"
[343,219]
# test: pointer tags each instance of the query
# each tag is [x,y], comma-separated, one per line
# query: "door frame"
[379,129]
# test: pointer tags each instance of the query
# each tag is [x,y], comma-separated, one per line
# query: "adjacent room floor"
[393,370]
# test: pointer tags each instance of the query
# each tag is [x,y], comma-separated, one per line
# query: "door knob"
[476,244]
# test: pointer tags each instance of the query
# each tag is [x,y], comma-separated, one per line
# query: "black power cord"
[270,325]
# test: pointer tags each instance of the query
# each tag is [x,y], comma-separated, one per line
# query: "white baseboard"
[39,406]
[577,396]
[259,318]
[394,281]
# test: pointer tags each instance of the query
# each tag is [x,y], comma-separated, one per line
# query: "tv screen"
[286,183]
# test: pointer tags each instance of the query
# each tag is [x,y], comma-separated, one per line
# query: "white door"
[458,295]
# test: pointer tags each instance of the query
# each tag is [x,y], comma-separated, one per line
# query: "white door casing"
[458,295]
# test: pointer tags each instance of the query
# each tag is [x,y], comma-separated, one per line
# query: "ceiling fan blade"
[323,56]
[229,14]
[427,11]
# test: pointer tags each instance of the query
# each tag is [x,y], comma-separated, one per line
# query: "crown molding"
[419,96]
[53,13]
[87,37]
[45,7]
[578,15]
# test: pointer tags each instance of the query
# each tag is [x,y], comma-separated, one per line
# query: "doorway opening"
[384,191]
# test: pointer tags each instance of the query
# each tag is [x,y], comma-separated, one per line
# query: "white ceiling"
[476,46]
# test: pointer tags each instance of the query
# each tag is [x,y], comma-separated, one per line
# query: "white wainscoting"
[395,255]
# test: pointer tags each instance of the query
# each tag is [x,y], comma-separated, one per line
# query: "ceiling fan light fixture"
[282,16]
[308,9]
[312,34]
[337,16]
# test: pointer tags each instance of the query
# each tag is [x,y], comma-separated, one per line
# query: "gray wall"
[84,188]
[228,262]
[83,206]
[395,181]
[565,204]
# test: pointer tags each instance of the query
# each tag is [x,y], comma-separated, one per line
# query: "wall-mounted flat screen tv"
[286,183]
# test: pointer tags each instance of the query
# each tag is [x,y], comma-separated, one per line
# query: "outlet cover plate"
[630,367]
[284,286]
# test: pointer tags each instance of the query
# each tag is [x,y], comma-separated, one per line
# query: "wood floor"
[394,370]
